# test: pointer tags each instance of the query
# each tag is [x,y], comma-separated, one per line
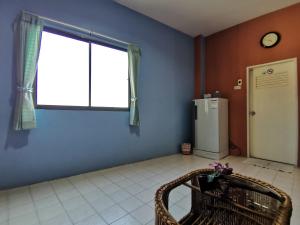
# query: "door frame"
[248,73]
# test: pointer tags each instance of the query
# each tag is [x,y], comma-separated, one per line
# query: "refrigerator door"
[207,125]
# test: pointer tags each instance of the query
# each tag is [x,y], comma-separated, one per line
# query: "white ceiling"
[205,17]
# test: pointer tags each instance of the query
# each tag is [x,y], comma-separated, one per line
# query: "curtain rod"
[76,27]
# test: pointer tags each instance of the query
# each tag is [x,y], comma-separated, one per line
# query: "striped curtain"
[29,31]
[134,57]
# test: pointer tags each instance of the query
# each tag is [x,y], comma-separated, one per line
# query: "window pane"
[109,77]
[63,71]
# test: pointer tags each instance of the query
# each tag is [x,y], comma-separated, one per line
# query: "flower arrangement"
[220,169]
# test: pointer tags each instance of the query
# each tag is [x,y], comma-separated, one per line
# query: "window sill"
[86,108]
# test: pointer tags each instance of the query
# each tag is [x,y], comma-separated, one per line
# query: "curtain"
[134,57]
[29,31]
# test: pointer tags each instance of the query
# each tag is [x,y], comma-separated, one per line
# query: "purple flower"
[221,169]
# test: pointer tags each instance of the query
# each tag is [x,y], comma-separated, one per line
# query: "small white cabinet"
[211,128]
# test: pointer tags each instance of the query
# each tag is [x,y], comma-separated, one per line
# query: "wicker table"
[245,201]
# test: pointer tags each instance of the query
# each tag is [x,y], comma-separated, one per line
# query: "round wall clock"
[270,39]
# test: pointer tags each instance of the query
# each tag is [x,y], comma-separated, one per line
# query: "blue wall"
[69,142]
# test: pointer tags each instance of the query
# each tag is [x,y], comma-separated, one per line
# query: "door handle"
[252,113]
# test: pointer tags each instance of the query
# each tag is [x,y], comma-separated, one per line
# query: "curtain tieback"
[24,89]
[133,99]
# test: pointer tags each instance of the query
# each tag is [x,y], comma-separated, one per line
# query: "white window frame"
[89,107]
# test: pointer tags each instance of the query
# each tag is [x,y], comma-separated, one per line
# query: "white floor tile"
[50,212]
[3,204]
[21,210]
[131,204]
[73,203]
[136,178]
[175,196]
[151,204]
[100,181]
[28,219]
[94,195]
[148,182]
[152,222]
[19,197]
[113,213]
[120,195]
[266,175]
[61,219]
[184,190]
[62,185]
[125,183]
[110,188]
[102,203]
[77,178]
[93,220]
[126,220]
[146,196]
[42,190]
[46,202]
[177,212]
[18,191]
[296,198]
[296,215]
[3,215]
[115,178]
[63,196]
[143,214]
[80,213]
[134,189]
[185,202]
[86,187]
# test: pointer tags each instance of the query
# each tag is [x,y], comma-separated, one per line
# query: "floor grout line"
[35,208]
[62,203]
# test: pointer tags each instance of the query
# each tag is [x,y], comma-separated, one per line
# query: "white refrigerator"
[211,128]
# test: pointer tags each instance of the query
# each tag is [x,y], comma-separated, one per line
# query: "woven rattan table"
[246,201]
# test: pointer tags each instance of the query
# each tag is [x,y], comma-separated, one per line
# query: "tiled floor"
[122,195]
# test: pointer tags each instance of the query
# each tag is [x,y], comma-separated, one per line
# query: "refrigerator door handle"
[195,112]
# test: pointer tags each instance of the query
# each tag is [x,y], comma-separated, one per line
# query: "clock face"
[270,39]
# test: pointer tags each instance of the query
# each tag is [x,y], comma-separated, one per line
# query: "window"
[109,81]
[74,72]
[63,71]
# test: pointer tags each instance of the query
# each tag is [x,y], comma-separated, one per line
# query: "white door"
[273,111]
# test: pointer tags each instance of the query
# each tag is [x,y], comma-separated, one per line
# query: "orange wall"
[229,52]
[197,79]
[198,57]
